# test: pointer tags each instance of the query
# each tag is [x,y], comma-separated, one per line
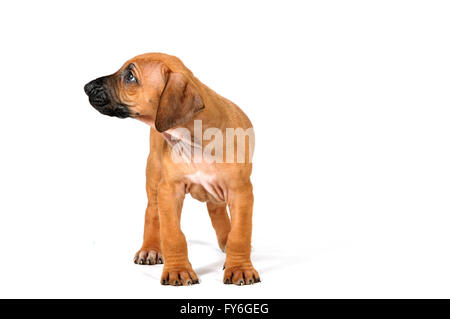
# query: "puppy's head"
[146,89]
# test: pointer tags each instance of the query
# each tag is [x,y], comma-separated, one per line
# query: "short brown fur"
[170,96]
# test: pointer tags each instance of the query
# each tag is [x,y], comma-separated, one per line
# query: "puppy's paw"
[148,257]
[240,275]
[185,276]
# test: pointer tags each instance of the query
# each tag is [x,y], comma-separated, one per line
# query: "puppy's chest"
[205,186]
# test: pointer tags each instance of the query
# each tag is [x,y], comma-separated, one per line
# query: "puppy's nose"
[97,83]
[89,87]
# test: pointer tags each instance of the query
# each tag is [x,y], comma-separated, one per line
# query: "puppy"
[183,115]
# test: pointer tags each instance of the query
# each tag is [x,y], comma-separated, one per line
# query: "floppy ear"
[179,102]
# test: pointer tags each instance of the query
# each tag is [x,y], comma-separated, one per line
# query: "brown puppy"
[182,112]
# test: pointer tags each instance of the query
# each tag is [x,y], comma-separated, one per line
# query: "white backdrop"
[350,103]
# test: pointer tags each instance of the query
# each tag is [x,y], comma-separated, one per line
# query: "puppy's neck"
[149,120]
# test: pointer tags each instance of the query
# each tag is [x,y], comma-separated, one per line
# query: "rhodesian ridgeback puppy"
[182,112]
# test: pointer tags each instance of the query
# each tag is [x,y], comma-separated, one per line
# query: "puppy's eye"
[129,77]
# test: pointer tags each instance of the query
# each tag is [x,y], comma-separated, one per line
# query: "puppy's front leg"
[238,266]
[177,268]
[150,252]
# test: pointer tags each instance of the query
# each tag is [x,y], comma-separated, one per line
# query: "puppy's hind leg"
[239,269]
[220,221]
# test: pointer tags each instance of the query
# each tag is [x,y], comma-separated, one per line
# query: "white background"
[350,103]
